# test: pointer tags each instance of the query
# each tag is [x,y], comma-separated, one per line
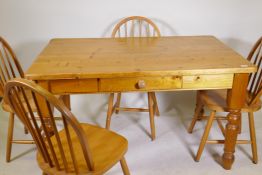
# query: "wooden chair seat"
[216,100]
[105,146]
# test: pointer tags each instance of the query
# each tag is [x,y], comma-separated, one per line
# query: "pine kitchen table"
[105,65]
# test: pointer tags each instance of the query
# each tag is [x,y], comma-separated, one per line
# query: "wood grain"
[69,86]
[223,81]
[131,84]
[196,59]
[136,57]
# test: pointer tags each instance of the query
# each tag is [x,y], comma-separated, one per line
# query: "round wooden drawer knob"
[141,84]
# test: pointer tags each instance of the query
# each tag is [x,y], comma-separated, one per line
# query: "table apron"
[144,84]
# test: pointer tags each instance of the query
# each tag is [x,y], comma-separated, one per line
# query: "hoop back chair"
[135,26]
[10,68]
[67,146]
[216,101]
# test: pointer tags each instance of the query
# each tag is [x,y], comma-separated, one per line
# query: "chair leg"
[221,127]
[109,110]
[118,100]
[253,137]
[202,111]
[124,166]
[205,136]
[151,115]
[240,124]
[196,117]
[9,137]
[156,109]
[25,130]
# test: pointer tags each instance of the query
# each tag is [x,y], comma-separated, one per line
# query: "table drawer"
[139,84]
[223,81]
[69,86]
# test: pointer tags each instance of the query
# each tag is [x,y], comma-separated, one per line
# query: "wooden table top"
[133,57]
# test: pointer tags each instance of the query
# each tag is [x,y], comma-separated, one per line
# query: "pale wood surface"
[134,57]
[199,56]
[222,81]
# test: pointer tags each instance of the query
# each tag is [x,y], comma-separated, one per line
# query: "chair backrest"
[135,26]
[9,65]
[255,79]
[45,131]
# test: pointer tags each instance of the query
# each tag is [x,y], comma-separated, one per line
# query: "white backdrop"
[28,25]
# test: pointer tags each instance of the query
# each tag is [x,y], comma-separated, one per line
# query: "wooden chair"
[9,69]
[67,146]
[135,26]
[215,100]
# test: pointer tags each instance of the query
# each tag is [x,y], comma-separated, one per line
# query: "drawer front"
[223,81]
[73,86]
[139,84]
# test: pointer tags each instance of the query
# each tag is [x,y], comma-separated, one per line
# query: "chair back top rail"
[135,26]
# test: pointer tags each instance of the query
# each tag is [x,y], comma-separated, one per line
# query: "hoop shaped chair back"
[135,26]
[45,132]
[255,79]
[9,66]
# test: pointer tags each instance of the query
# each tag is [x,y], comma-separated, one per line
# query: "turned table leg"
[67,101]
[235,100]
[43,108]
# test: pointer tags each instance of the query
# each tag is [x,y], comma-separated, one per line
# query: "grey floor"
[171,153]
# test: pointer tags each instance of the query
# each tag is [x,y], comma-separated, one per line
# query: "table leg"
[40,100]
[235,100]
[110,110]
[43,108]
[66,100]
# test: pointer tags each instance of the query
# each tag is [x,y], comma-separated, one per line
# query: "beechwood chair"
[135,26]
[215,100]
[9,68]
[67,146]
